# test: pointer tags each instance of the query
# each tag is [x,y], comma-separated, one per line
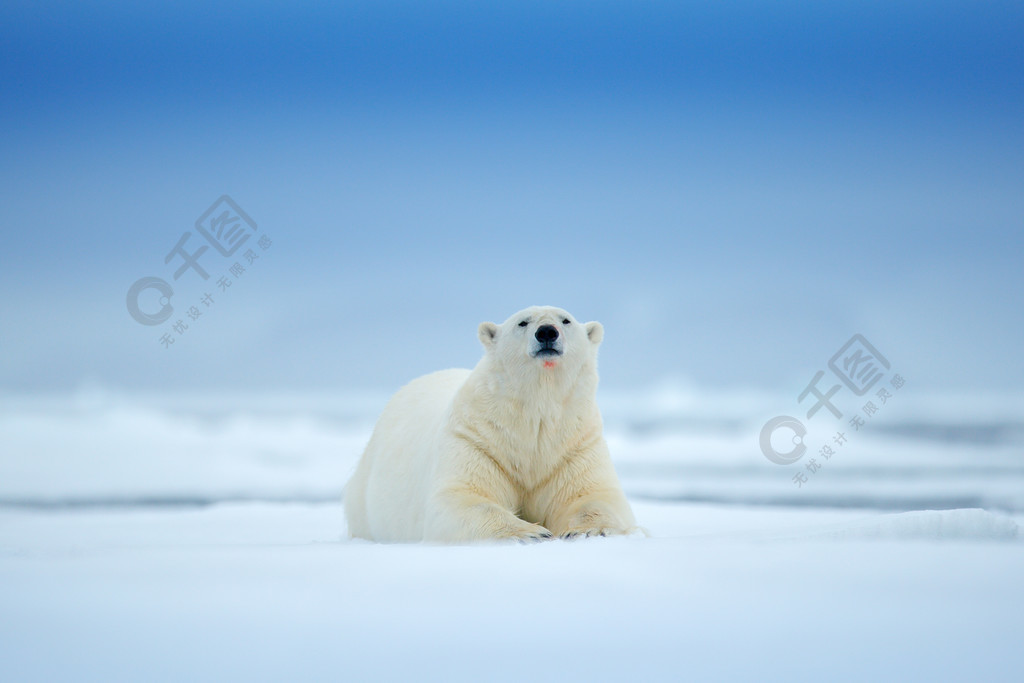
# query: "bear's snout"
[546,334]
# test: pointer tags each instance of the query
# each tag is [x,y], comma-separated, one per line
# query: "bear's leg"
[603,514]
[460,514]
[586,499]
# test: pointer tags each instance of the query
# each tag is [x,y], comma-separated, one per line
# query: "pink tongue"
[549,364]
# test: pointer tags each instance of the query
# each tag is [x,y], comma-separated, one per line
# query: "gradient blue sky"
[733,188]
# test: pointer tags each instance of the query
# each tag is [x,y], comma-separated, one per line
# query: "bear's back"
[386,496]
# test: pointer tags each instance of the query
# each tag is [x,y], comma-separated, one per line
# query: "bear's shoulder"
[442,381]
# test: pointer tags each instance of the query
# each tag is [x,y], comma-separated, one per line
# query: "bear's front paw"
[534,533]
[582,533]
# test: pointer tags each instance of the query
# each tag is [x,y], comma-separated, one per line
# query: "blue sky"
[733,189]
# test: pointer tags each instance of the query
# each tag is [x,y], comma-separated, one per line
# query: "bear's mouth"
[547,351]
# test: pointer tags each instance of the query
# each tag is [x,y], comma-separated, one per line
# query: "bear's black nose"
[546,334]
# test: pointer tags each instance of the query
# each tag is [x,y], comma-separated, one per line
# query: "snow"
[201,538]
[270,591]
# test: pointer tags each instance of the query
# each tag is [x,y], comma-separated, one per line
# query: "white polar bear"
[512,449]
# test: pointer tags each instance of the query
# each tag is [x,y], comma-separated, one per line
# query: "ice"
[123,450]
[671,443]
[202,538]
[270,591]
[933,524]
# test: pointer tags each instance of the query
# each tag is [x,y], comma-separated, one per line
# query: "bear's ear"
[488,333]
[595,332]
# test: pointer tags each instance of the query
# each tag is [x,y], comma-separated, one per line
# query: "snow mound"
[932,524]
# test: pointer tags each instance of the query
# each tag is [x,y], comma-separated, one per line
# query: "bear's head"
[542,339]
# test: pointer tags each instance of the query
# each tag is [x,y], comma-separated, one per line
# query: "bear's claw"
[534,538]
[584,533]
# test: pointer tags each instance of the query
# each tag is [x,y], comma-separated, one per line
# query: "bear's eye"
[523,323]
[566,321]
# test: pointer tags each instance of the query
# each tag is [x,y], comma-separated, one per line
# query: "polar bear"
[512,449]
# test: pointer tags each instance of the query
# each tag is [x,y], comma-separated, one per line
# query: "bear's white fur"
[512,449]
